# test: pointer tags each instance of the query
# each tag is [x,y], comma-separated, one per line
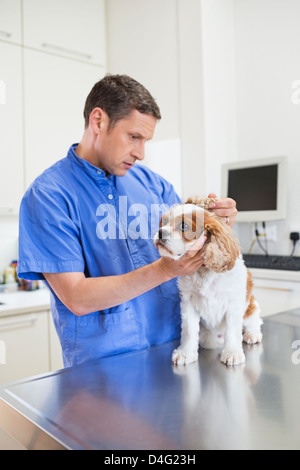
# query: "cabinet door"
[11,129]
[276,296]
[55,92]
[73,28]
[10,20]
[25,346]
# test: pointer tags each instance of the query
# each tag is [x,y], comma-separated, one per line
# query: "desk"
[141,401]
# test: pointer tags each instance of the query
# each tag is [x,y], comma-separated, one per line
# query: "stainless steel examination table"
[141,401]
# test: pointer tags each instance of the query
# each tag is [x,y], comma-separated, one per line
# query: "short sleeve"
[169,194]
[48,237]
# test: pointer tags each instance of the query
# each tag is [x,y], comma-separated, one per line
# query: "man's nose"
[139,151]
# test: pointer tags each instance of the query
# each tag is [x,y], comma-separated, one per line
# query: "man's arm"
[84,295]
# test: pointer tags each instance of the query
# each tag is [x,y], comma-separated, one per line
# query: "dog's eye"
[183,226]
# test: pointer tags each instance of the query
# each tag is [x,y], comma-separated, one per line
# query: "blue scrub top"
[75,219]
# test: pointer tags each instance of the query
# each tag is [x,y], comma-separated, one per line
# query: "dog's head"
[184,224]
[179,229]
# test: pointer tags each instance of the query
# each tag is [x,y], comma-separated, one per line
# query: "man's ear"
[98,120]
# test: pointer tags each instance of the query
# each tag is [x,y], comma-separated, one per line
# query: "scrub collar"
[92,170]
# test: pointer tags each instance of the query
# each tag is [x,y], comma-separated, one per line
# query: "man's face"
[119,147]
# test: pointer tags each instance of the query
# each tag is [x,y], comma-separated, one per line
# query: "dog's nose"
[162,234]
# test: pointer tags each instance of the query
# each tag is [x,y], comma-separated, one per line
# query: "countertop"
[275,274]
[141,401]
[13,303]
[19,302]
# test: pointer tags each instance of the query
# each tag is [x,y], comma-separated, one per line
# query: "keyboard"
[286,263]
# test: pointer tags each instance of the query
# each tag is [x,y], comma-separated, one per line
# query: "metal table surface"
[141,401]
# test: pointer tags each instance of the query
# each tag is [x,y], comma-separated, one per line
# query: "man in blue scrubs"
[86,228]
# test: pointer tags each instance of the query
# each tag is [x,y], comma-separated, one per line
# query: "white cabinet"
[29,344]
[45,77]
[25,340]
[55,91]
[11,129]
[10,21]
[276,291]
[73,28]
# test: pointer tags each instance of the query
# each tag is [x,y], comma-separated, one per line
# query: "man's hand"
[186,264]
[225,208]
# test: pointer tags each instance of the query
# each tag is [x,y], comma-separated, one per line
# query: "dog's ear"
[222,248]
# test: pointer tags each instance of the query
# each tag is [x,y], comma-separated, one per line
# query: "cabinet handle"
[18,322]
[53,47]
[283,289]
[5,34]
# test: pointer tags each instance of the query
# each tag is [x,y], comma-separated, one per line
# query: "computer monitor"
[258,187]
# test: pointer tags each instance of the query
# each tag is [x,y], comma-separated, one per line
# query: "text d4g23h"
[151,459]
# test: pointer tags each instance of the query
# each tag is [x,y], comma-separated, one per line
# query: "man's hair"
[118,96]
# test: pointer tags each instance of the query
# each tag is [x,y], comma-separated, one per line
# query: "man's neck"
[85,149]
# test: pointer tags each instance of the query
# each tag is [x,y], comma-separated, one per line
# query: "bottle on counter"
[11,280]
[9,275]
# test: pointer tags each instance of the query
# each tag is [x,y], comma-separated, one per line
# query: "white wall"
[185,51]
[9,228]
[232,64]
[159,43]
[267,62]
[219,89]
[142,43]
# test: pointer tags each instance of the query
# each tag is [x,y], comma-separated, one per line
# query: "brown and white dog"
[218,308]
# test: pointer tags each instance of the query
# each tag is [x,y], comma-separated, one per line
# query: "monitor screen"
[258,187]
[254,189]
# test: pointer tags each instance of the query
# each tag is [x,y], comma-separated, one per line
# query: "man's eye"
[183,226]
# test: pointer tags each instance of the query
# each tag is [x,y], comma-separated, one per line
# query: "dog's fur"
[218,309]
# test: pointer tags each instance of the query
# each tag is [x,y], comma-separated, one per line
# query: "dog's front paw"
[232,357]
[253,337]
[184,356]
